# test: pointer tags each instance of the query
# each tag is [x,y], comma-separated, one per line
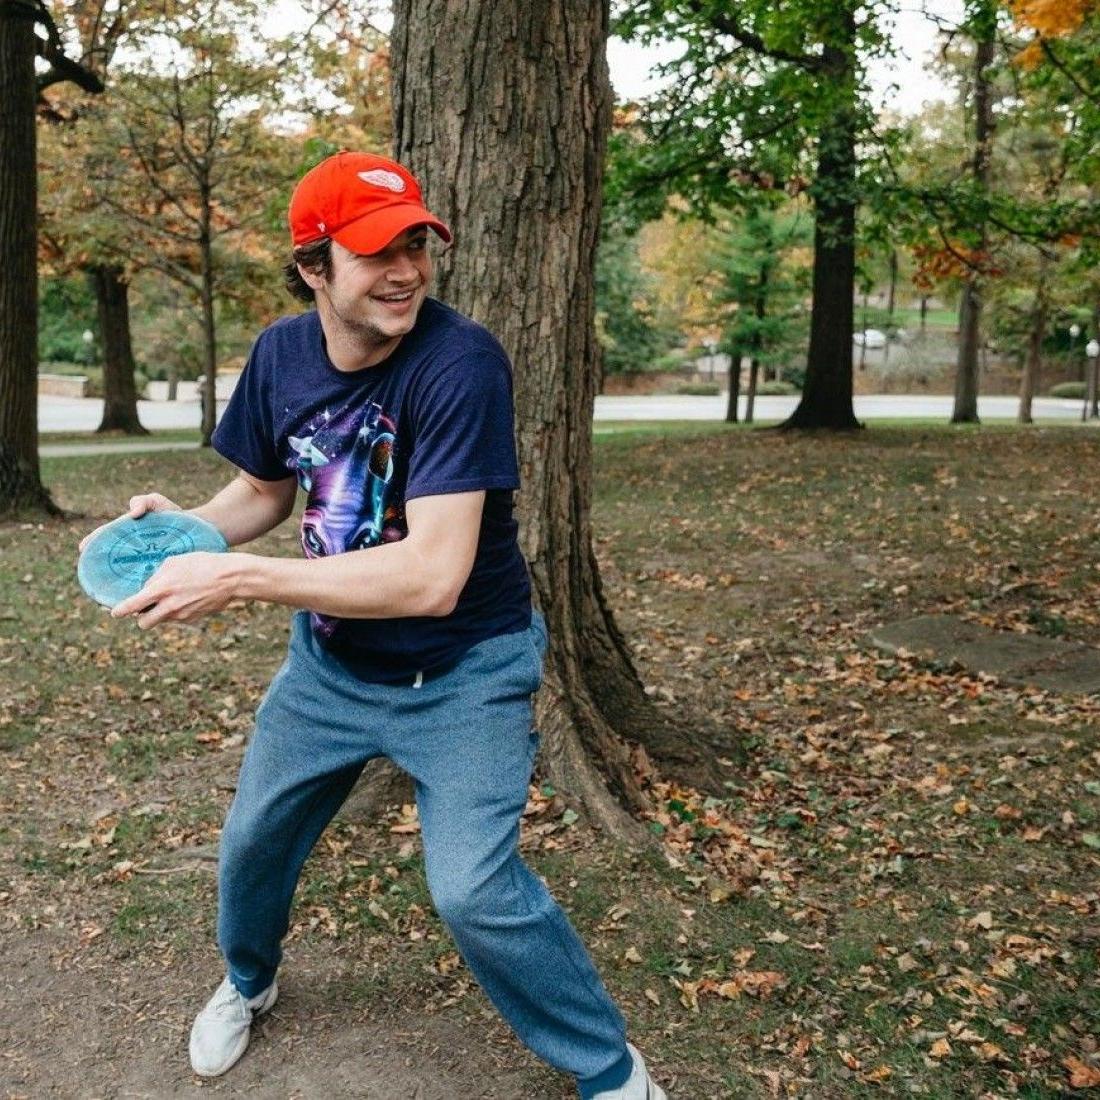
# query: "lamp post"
[89,343]
[1074,331]
[1091,408]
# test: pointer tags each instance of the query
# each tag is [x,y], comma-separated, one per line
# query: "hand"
[184,589]
[139,505]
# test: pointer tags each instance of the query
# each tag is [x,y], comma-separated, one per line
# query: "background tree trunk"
[120,411]
[502,108]
[1033,361]
[970,308]
[750,397]
[208,382]
[20,481]
[734,385]
[827,393]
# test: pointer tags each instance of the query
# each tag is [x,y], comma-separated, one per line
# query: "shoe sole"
[242,1043]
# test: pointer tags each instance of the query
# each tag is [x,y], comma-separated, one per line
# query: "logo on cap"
[380,177]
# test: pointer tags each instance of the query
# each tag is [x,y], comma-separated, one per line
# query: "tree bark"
[827,393]
[1033,360]
[208,383]
[120,412]
[891,299]
[734,384]
[970,308]
[502,108]
[21,485]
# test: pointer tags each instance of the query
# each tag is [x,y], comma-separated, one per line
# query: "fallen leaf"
[1081,1074]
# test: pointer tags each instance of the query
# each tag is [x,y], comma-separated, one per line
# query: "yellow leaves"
[1052,18]
[941,1048]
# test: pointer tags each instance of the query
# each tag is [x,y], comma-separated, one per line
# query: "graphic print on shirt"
[345,464]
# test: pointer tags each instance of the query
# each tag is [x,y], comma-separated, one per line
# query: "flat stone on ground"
[1026,659]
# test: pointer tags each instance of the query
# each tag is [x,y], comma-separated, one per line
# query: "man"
[416,640]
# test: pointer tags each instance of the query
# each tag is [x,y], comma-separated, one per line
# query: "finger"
[133,605]
[154,615]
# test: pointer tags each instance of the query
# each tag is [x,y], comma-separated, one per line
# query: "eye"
[312,542]
[363,538]
[418,244]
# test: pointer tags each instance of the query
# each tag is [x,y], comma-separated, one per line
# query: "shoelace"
[230,999]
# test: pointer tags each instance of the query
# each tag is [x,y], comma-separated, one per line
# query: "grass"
[160,435]
[902,844]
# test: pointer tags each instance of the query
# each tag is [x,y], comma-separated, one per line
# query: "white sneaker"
[220,1033]
[638,1086]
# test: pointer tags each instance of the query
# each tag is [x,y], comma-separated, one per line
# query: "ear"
[313,279]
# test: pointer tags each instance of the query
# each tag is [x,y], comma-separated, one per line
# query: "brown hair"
[315,257]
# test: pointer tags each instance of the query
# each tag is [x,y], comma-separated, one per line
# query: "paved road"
[83,414]
[878,406]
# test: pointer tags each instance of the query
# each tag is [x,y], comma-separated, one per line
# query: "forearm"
[394,580]
[242,513]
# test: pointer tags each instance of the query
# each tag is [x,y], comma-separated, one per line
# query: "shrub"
[775,389]
[699,389]
[1068,389]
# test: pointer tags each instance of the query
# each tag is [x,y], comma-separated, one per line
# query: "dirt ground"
[896,894]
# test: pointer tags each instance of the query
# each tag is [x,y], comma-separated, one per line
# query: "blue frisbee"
[122,556]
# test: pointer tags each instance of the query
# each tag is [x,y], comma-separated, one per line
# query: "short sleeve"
[245,434]
[462,429]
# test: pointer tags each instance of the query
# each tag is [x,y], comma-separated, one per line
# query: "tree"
[983,27]
[186,164]
[630,337]
[71,224]
[20,479]
[771,97]
[503,111]
[754,254]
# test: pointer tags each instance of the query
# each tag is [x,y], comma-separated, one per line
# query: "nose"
[402,269]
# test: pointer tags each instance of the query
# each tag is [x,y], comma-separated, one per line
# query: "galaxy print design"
[345,463]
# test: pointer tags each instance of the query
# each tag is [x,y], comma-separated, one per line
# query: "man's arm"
[248,507]
[245,509]
[423,574]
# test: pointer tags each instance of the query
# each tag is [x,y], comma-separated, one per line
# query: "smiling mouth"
[394,299]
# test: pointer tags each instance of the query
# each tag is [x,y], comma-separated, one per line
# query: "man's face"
[378,296]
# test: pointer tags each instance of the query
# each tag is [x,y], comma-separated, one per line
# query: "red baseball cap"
[361,201]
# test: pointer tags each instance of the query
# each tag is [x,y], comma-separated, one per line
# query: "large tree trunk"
[827,394]
[120,412]
[502,107]
[970,308]
[20,481]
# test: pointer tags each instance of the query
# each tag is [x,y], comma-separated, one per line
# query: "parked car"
[870,338]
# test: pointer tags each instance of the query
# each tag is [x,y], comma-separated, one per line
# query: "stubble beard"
[366,333]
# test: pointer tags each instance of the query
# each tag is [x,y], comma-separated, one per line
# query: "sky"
[902,84]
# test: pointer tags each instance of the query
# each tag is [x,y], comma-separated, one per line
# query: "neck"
[352,348]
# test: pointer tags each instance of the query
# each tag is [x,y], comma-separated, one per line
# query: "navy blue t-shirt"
[434,417]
